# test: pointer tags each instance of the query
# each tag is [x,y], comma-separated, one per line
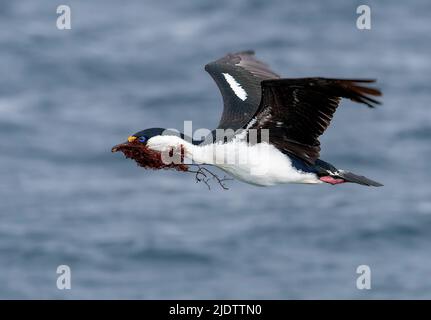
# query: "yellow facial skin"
[131,138]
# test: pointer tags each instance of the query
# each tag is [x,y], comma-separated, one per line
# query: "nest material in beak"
[147,158]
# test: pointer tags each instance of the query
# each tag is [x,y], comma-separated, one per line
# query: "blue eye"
[142,139]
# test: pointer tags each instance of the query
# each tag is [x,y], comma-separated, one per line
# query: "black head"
[144,135]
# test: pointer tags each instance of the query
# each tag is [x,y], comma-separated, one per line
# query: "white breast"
[260,164]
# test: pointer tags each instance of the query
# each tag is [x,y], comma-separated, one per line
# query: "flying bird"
[285,116]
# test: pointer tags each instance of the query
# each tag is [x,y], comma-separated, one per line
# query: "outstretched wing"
[239,76]
[298,111]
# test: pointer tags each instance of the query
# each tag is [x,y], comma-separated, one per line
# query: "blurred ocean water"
[67,96]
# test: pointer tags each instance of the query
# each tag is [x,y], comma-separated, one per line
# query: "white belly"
[261,164]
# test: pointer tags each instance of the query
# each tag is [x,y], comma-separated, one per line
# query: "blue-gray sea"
[67,96]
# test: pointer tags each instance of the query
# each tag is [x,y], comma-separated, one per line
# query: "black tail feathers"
[354,178]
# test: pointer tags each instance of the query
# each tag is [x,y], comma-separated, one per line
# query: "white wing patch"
[235,86]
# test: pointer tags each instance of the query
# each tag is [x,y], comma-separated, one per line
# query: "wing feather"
[238,77]
[305,107]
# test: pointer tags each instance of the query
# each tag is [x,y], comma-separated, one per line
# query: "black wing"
[239,76]
[298,111]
